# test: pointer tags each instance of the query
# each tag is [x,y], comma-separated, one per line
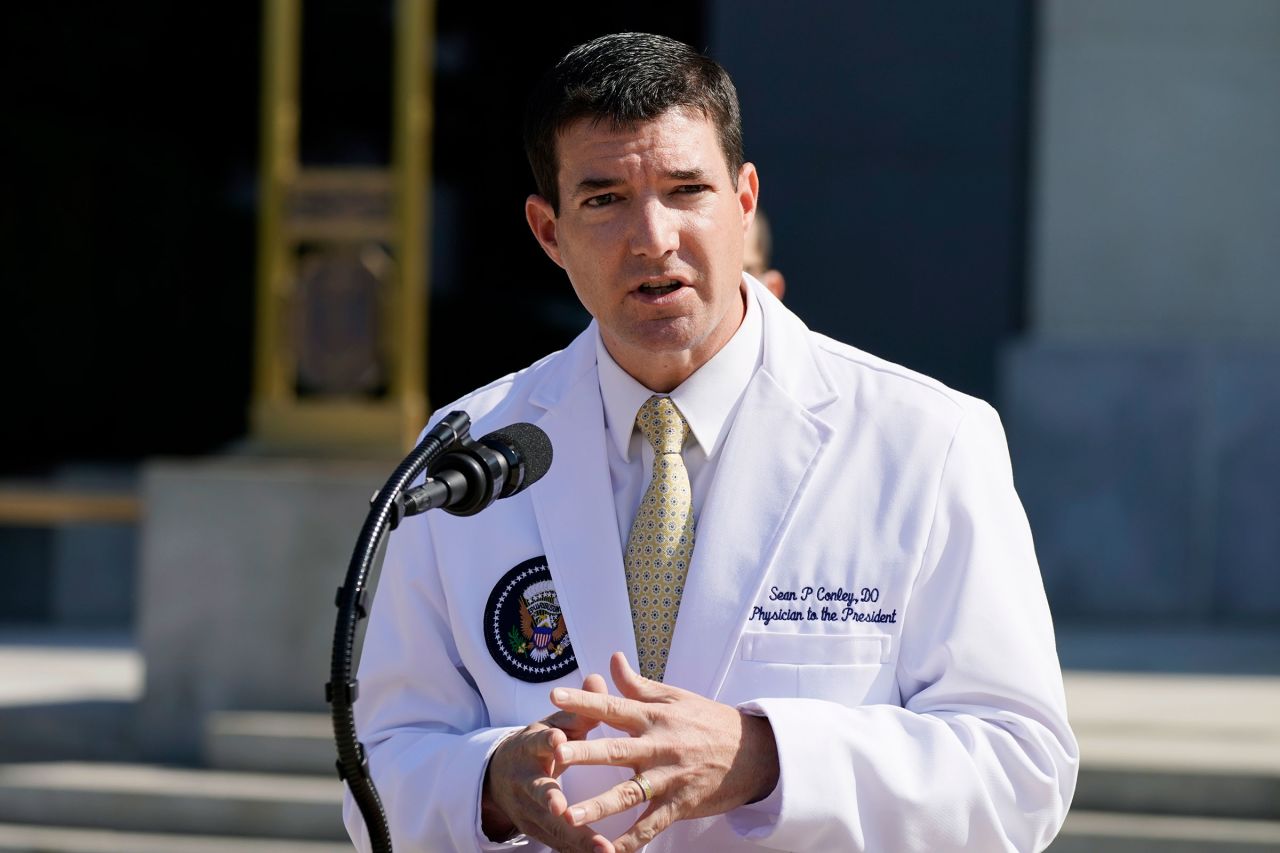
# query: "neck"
[663,372]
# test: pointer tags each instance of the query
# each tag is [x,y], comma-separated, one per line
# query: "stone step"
[1177,744]
[17,838]
[1179,768]
[1161,771]
[270,742]
[68,695]
[1113,832]
[142,798]
[1184,790]
[69,731]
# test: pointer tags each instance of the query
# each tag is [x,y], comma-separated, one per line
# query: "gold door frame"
[280,419]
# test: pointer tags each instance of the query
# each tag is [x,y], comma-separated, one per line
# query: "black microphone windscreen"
[533,446]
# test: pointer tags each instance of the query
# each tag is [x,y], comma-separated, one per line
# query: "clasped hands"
[700,758]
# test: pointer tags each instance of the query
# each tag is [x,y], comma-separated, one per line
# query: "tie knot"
[662,425]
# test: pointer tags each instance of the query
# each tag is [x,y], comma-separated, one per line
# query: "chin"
[659,337]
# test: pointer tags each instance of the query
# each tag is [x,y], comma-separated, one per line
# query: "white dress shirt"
[708,399]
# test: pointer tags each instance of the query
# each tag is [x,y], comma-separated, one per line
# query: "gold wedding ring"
[646,790]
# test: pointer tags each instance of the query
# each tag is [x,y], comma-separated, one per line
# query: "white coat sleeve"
[980,755]
[421,720]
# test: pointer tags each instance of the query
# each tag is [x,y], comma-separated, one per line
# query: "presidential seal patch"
[524,628]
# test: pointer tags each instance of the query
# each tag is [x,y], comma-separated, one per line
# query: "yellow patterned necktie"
[661,541]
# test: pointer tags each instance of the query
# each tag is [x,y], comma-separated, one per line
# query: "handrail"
[36,506]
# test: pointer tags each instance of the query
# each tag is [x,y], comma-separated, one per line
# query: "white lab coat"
[940,727]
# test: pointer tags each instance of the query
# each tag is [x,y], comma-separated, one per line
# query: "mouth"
[660,288]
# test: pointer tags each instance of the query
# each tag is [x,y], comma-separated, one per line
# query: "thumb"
[632,684]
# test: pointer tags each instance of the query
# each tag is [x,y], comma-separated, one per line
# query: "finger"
[560,836]
[657,818]
[574,726]
[535,746]
[539,747]
[556,801]
[619,752]
[632,684]
[546,741]
[621,713]
[618,799]
[555,832]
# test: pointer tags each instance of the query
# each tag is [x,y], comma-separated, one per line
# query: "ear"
[748,193]
[542,222]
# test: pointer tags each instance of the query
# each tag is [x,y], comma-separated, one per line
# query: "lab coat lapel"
[769,454]
[575,513]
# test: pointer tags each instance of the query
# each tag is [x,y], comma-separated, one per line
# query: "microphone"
[468,479]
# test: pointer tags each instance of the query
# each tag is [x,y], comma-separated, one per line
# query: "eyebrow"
[590,185]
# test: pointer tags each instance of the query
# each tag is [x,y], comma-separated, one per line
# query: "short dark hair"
[625,79]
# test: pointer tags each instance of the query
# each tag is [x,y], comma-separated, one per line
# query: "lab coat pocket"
[816,649]
[845,668]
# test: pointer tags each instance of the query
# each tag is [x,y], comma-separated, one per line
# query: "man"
[758,252]
[815,559]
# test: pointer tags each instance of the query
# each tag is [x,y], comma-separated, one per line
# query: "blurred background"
[248,247]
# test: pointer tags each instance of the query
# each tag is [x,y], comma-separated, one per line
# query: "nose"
[655,229]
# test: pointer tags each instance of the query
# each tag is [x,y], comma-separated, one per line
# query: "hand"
[701,757]
[520,788]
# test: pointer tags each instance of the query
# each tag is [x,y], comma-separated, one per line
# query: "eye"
[690,189]
[600,200]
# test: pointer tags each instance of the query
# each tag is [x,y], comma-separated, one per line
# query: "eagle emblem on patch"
[525,629]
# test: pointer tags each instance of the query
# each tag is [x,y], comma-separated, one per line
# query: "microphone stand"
[386,509]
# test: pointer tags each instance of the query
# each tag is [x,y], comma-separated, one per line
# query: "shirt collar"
[707,399]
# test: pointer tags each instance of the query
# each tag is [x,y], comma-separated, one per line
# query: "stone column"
[1144,406]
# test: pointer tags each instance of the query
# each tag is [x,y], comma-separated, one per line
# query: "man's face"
[650,232]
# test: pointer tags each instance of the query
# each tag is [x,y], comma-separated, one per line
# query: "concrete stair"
[18,838]
[69,781]
[143,798]
[1171,763]
[1180,791]
[1116,832]
[270,742]
[1161,773]
[1175,764]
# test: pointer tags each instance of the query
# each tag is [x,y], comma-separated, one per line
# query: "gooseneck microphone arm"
[340,692]
[466,476]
